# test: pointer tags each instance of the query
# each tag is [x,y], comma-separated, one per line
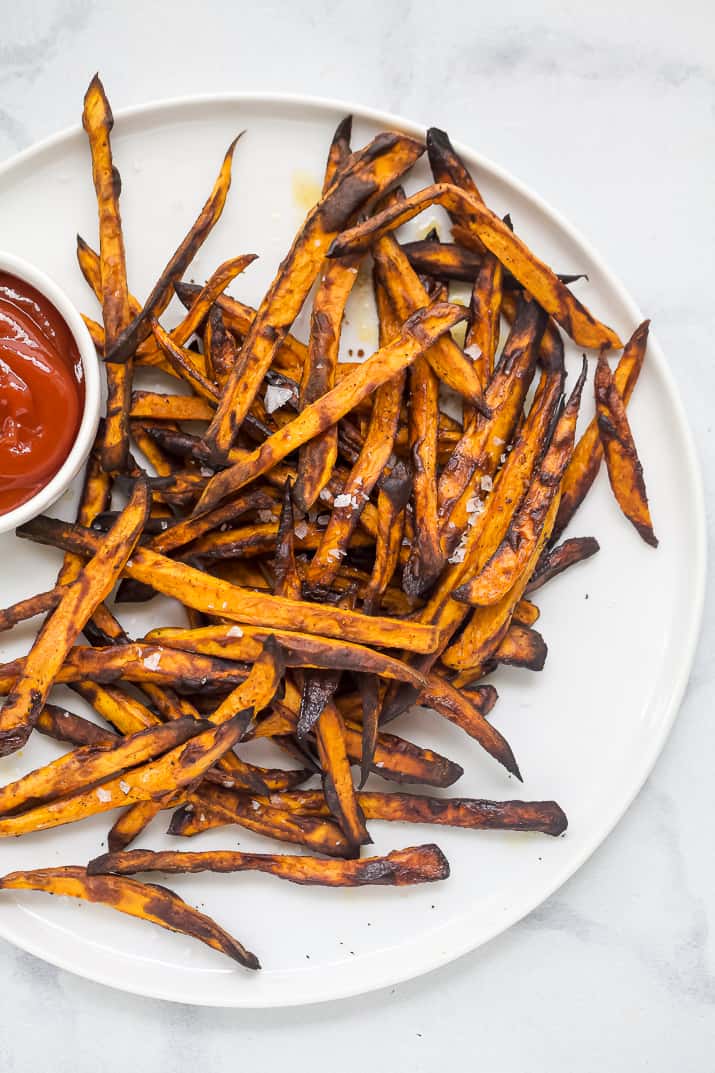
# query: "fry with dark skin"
[522,647]
[485,306]
[121,348]
[508,561]
[526,613]
[303,650]
[625,471]
[238,318]
[419,332]
[391,501]
[208,594]
[320,834]
[337,778]
[588,453]
[555,560]
[535,276]
[402,867]
[545,817]
[479,449]
[488,625]
[97,120]
[365,175]
[93,764]
[79,601]
[220,346]
[180,767]
[146,901]
[317,457]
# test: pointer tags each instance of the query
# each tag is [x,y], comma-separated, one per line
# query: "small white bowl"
[92,397]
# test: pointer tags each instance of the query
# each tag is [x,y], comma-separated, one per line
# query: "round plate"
[621,628]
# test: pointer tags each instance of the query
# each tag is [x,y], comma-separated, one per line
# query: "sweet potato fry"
[488,625]
[209,594]
[535,276]
[94,763]
[316,833]
[238,318]
[483,441]
[98,121]
[555,560]
[419,332]
[146,901]
[402,867]
[625,471]
[522,647]
[134,333]
[443,260]
[304,650]
[339,151]
[516,549]
[426,558]
[181,767]
[526,613]
[392,499]
[588,453]
[58,723]
[79,600]
[184,364]
[220,346]
[170,407]
[365,175]
[337,778]
[407,295]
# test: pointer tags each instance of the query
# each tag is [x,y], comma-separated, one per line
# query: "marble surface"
[609,115]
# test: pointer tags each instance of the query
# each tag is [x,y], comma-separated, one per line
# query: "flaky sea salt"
[300,530]
[276,397]
[486,483]
[326,495]
[234,631]
[343,500]
[323,519]
[206,472]
[104,795]
[266,516]
[152,662]
[124,786]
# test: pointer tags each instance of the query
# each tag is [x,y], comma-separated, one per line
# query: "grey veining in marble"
[608,111]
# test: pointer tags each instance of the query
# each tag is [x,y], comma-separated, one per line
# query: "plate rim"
[354,984]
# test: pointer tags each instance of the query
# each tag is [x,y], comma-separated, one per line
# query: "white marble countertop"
[609,116]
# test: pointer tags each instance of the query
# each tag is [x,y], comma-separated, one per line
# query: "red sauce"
[41,391]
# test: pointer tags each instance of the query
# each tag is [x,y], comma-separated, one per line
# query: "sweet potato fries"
[341,541]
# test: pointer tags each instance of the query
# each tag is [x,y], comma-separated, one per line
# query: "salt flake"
[276,397]
[152,662]
[234,631]
[343,500]
[301,530]
[104,795]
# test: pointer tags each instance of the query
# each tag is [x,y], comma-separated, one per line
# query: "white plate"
[621,629]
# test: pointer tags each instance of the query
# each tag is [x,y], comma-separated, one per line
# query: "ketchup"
[41,391]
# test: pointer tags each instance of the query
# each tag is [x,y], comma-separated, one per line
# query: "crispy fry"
[93,764]
[488,625]
[365,175]
[516,549]
[545,817]
[337,778]
[181,767]
[316,833]
[304,650]
[79,600]
[419,332]
[140,327]
[426,558]
[392,499]
[536,277]
[555,560]
[184,364]
[339,151]
[402,867]
[482,444]
[238,317]
[210,594]
[522,647]
[526,613]
[170,407]
[146,901]
[407,295]
[65,726]
[588,453]
[98,121]
[625,471]
[220,347]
